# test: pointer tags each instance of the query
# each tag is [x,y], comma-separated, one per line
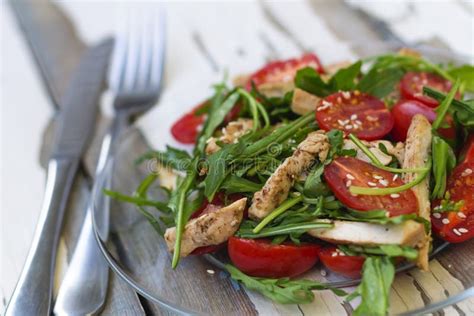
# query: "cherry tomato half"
[404,111]
[336,261]
[346,171]
[412,83]
[353,112]
[457,226]
[260,258]
[283,70]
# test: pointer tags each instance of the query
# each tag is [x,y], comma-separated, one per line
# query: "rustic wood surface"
[205,39]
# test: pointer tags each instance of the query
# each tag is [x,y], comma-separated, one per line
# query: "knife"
[32,294]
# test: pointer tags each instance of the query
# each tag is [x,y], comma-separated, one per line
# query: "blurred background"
[204,39]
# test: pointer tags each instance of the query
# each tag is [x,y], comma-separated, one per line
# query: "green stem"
[284,229]
[279,210]
[136,200]
[385,191]
[145,185]
[443,107]
[377,162]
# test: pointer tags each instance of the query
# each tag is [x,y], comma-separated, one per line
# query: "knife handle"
[33,292]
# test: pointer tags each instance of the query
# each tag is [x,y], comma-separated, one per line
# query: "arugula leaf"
[283,291]
[442,109]
[446,205]
[235,184]
[465,74]
[382,250]
[313,186]
[139,201]
[380,82]
[174,158]
[374,289]
[283,229]
[344,79]
[444,161]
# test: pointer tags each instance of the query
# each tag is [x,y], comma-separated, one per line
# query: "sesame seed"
[346,95]
[342,123]
[323,272]
[383,182]
[457,232]
[372,118]
[466,172]
[353,117]
[346,122]
[349,126]
[372,184]
[210,271]
[394,195]
[326,103]
[461,215]
[358,122]
[395,177]
[334,254]
[463,230]
[350,176]
[348,183]
[445,221]
[376,176]
[436,215]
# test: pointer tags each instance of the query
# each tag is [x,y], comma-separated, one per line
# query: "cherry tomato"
[283,70]
[467,153]
[353,112]
[346,171]
[404,111]
[336,261]
[412,83]
[260,258]
[457,227]
[187,128]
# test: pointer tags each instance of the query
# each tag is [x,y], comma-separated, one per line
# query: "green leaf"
[313,186]
[283,291]
[283,229]
[380,82]
[309,80]
[345,79]
[174,158]
[374,289]
[465,74]
[444,161]
[442,109]
[381,250]
[235,184]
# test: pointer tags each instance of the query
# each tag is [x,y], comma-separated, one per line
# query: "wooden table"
[204,39]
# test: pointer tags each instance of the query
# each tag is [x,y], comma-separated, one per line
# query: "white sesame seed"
[436,215]
[445,221]
[383,182]
[463,230]
[353,117]
[323,272]
[372,118]
[350,176]
[342,123]
[461,215]
[394,195]
[376,176]
[358,122]
[348,183]
[334,254]
[349,126]
[372,184]
[395,177]
[457,232]
[346,95]
[326,103]
[210,271]
[466,172]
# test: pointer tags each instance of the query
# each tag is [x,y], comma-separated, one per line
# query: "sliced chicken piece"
[277,187]
[409,233]
[303,102]
[230,134]
[166,177]
[417,153]
[397,150]
[276,89]
[209,229]
[405,51]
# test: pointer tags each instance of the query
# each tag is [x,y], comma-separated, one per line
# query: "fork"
[135,80]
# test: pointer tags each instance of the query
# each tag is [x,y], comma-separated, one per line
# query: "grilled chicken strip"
[208,229]
[303,102]
[230,134]
[374,147]
[409,233]
[417,153]
[277,187]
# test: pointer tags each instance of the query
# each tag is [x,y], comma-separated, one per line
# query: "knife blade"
[54,42]
[32,294]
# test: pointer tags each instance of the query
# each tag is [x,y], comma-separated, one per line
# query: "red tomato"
[283,70]
[467,154]
[404,111]
[260,258]
[412,83]
[336,261]
[458,227]
[346,171]
[353,112]
[187,128]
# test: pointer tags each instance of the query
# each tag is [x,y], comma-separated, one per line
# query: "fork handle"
[32,294]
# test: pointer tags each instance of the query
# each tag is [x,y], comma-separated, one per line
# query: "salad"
[356,165]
